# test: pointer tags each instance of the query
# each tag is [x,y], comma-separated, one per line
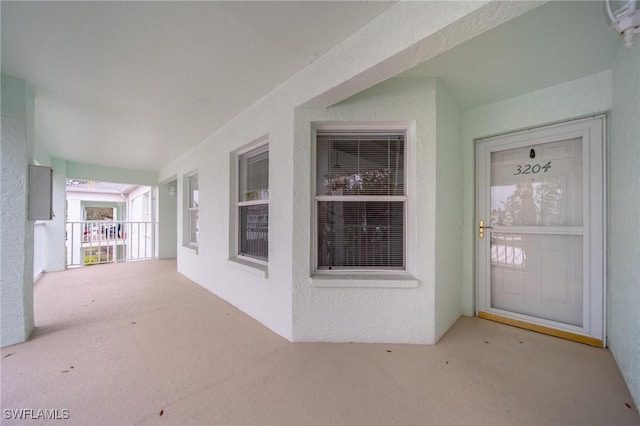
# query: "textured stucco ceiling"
[136,84]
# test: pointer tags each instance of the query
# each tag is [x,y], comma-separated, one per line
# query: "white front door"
[540,229]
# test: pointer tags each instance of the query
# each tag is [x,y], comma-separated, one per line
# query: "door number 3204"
[527,169]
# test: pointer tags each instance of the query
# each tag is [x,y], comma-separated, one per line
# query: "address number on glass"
[527,169]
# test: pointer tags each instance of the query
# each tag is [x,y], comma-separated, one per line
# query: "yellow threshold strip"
[542,329]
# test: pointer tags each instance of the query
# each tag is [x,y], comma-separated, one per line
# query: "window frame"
[360,129]
[189,210]
[259,146]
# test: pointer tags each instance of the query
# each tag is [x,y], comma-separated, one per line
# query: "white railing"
[95,241]
[508,251]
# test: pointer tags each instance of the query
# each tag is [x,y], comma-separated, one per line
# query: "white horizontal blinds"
[194,203]
[254,175]
[360,164]
[360,200]
[253,207]
[361,234]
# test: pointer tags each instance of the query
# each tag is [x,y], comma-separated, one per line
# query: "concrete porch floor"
[137,343]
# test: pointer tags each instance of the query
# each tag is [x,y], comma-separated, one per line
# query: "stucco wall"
[578,98]
[344,313]
[266,298]
[337,313]
[624,227]
[448,218]
[16,231]
[421,30]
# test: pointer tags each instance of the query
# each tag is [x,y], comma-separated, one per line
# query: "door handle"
[482,228]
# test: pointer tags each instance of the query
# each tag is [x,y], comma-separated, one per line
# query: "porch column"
[16,230]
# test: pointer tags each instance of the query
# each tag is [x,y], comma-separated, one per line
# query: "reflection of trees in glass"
[550,197]
[99,213]
[368,182]
[539,203]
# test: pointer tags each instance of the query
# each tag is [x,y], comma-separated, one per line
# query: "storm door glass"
[537,236]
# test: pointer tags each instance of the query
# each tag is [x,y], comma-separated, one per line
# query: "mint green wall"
[624,209]
[16,231]
[577,98]
[448,218]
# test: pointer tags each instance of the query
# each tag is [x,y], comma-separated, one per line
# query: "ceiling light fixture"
[625,19]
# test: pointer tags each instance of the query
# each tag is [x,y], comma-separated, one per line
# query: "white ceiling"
[136,84]
[554,43]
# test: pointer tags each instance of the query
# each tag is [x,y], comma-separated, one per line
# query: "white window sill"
[191,248]
[356,280]
[259,269]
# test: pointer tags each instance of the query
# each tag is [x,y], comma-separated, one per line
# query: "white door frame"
[593,133]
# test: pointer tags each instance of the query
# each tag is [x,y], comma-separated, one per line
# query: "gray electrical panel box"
[40,193]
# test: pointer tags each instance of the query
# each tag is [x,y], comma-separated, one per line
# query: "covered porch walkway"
[137,343]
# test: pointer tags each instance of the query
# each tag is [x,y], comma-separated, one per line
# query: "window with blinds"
[360,200]
[253,203]
[193,205]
